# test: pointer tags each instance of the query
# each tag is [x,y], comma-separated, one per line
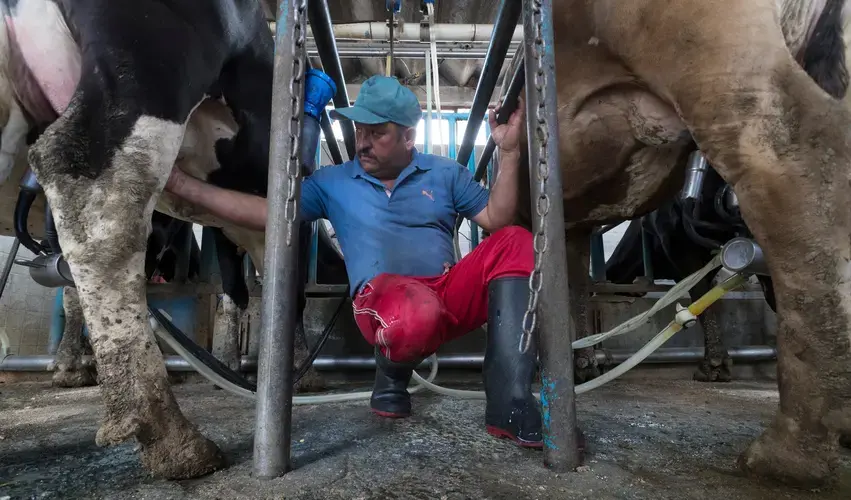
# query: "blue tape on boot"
[319,88]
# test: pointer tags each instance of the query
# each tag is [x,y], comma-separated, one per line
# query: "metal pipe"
[646,252]
[406,32]
[555,329]
[598,258]
[7,267]
[509,105]
[666,355]
[323,36]
[506,19]
[410,52]
[273,415]
[330,139]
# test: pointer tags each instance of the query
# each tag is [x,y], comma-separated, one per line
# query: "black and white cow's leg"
[233,304]
[69,370]
[717,365]
[102,164]
[13,138]
[578,248]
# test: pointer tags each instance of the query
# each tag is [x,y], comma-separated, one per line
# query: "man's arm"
[502,202]
[242,209]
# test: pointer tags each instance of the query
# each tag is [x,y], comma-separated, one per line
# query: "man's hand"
[507,136]
[175,179]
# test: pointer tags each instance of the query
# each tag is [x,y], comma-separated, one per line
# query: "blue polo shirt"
[407,230]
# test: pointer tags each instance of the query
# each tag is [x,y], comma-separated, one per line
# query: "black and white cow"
[115,84]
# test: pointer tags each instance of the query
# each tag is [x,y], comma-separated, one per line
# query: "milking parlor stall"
[652,316]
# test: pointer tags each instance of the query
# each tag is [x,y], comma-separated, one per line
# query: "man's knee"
[404,318]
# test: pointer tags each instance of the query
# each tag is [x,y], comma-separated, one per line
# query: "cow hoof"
[73,378]
[714,370]
[311,382]
[585,365]
[187,457]
[772,458]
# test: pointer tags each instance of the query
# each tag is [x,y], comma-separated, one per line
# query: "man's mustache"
[364,153]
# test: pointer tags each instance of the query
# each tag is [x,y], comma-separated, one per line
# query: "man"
[393,210]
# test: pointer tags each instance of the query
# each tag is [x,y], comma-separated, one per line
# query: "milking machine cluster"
[48,268]
[740,253]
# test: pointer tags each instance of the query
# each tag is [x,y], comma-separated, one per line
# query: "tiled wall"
[25,307]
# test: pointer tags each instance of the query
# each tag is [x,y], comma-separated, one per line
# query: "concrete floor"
[647,439]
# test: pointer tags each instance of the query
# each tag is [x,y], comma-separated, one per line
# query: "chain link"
[541,138]
[296,93]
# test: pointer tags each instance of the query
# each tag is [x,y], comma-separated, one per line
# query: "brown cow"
[640,85]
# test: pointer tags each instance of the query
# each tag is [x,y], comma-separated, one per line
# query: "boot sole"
[387,414]
[504,434]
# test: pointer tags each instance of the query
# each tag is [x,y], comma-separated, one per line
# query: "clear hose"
[693,310]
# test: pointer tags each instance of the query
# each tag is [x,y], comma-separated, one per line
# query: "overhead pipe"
[506,20]
[670,355]
[319,19]
[409,32]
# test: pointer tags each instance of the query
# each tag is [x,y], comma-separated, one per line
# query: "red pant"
[410,317]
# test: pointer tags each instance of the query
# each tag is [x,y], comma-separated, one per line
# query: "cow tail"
[824,57]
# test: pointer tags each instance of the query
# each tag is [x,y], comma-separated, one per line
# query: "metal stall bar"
[598,258]
[558,397]
[646,253]
[330,139]
[509,105]
[326,46]
[273,416]
[504,27]
[7,267]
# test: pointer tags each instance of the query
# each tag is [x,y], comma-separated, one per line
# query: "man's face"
[384,150]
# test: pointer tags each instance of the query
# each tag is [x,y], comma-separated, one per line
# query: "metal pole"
[330,139]
[558,398]
[509,105]
[504,27]
[646,252]
[326,46]
[7,267]
[273,416]
[598,258]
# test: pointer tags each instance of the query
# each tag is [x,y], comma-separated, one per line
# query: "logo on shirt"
[428,194]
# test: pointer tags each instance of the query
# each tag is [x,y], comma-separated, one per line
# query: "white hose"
[669,298]
[666,333]
[225,384]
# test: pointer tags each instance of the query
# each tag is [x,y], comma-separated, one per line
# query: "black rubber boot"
[512,411]
[390,396]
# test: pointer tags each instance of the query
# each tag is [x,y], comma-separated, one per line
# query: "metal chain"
[296,90]
[543,202]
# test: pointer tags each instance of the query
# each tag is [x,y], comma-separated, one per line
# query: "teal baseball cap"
[382,99]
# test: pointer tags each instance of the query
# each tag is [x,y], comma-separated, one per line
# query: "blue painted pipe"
[183,311]
[57,322]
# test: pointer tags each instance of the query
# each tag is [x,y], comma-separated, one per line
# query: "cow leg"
[717,365]
[101,166]
[578,248]
[13,138]
[234,302]
[69,370]
[785,147]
